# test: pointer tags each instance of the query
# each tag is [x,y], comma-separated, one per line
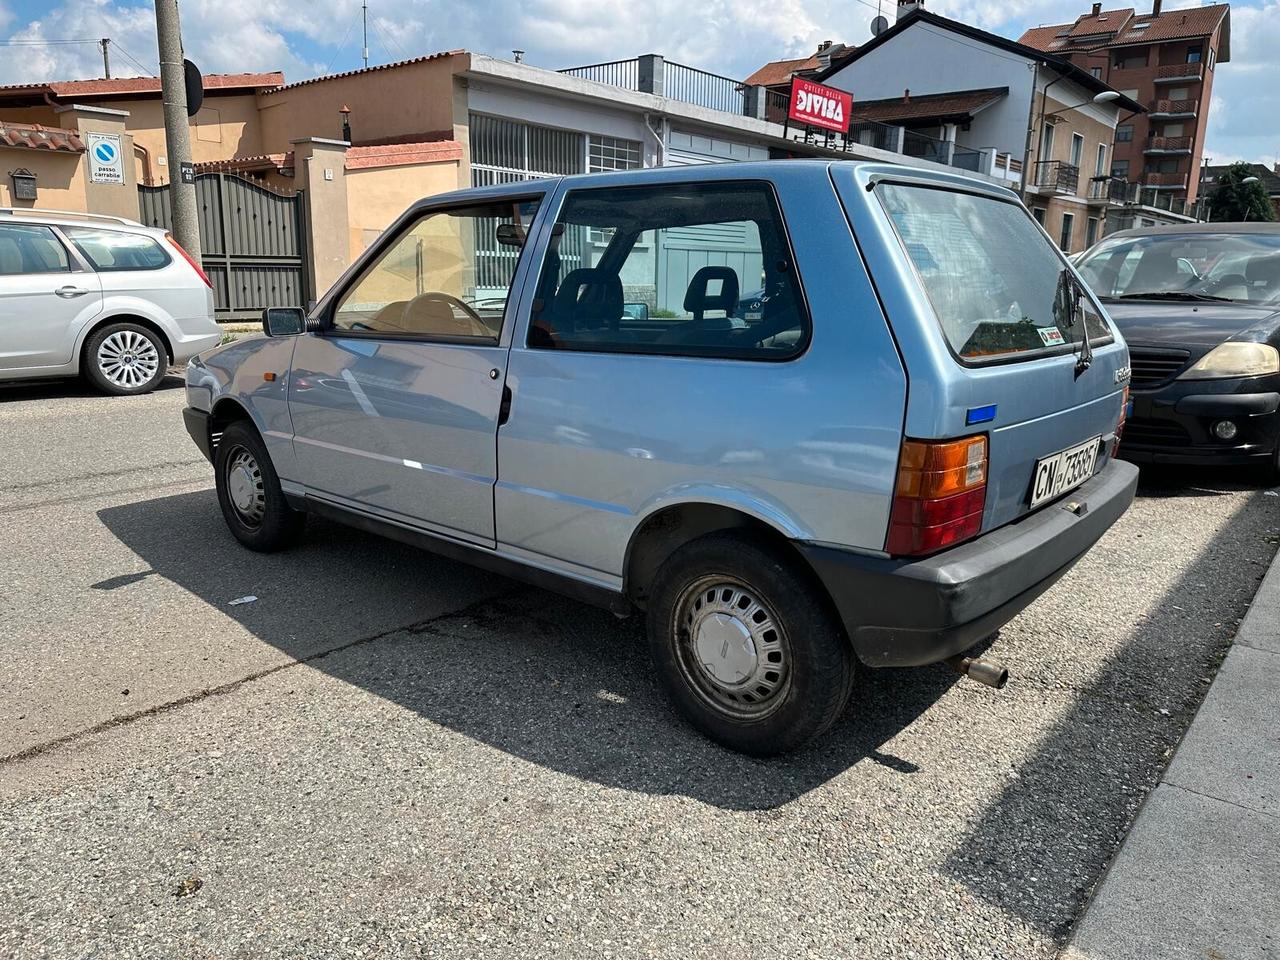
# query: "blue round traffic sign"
[105,152]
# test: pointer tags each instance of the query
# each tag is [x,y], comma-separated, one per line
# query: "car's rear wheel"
[125,359]
[747,646]
[249,493]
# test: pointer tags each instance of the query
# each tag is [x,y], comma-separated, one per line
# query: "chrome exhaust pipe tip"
[983,671]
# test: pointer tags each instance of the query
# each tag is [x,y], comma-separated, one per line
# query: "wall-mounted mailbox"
[24,184]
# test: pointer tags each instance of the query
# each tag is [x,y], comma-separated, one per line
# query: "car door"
[46,296]
[395,401]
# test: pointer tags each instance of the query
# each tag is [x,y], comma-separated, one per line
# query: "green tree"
[1232,199]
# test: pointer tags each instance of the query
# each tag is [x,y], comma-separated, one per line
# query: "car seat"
[1263,276]
[698,300]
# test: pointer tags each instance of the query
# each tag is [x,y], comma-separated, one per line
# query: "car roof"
[1263,228]
[761,170]
[73,218]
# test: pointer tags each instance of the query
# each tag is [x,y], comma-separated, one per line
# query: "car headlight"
[1235,359]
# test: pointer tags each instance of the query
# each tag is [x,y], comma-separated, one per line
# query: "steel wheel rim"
[128,359]
[245,491]
[731,648]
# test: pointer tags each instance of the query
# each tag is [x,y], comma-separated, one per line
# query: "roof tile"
[34,136]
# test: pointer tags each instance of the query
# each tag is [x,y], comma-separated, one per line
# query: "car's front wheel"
[249,493]
[747,646]
[125,359]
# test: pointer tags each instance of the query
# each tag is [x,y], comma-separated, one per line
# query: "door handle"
[68,293]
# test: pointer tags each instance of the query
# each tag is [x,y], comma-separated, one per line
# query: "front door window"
[446,276]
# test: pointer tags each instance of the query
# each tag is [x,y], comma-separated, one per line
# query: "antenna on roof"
[364,25]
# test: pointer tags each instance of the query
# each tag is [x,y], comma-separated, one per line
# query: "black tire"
[124,359]
[249,493]
[751,712]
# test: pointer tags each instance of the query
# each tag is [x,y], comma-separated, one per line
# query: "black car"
[1200,308]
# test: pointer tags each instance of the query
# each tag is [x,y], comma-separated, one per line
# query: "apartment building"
[1164,59]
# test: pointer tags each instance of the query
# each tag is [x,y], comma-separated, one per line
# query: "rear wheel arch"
[665,531]
[106,321]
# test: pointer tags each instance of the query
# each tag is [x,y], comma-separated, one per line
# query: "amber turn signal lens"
[929,471]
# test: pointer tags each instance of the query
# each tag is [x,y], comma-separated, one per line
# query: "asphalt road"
[389,755]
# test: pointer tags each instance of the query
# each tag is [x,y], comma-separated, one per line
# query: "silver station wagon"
[803,415]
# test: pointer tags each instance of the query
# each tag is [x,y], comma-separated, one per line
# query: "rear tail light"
[191,260]
[939,496]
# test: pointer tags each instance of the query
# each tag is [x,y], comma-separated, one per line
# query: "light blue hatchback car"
[898,440]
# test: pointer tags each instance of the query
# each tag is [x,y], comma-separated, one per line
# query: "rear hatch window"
[1000,289]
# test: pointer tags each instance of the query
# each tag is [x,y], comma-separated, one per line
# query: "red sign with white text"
[820,106]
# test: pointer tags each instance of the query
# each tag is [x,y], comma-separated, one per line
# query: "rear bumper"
[197,423]
[913,612]
[194,344]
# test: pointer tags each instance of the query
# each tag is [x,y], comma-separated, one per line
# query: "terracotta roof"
[36,137]
[130,86]
[1125,27]
[381,66]
[962,103]
[263,161]
[402,154]
[780,71]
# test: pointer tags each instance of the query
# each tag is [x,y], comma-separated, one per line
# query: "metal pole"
[364,24]
[173,84]
[106,57]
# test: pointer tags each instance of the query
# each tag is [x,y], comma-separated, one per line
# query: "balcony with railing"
[1168,145]
[1057,176]
[1165,181]
[1109,189]
[1118,191]
[1175,72]
[675,81]
[1173,108]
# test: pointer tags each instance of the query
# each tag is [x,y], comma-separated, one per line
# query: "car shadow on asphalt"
[16,390]
[1041,847]
[542,677]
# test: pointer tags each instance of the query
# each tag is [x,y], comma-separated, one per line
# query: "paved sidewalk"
[1198,875]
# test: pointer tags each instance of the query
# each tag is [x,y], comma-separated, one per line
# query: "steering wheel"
[479,327]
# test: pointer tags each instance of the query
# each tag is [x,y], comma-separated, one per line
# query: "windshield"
[1240,267]
[998,285]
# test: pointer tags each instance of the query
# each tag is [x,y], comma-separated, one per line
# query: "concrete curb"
[1197,874]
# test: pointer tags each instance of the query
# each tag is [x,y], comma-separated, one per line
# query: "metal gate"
[252,240]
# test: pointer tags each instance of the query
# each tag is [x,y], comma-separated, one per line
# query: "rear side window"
[109,250]
[693,269]
[29,249]
[994,279]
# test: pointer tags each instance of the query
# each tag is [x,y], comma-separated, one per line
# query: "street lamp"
[1106,96]
[1246,181]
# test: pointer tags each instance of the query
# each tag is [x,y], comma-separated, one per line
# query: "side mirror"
[510,235]
[636,311]
[284,321]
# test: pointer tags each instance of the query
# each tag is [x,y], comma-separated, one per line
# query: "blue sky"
[308,37]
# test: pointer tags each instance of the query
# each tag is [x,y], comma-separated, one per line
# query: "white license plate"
[1061,472]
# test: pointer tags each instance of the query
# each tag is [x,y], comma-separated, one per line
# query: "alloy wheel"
[128,359]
